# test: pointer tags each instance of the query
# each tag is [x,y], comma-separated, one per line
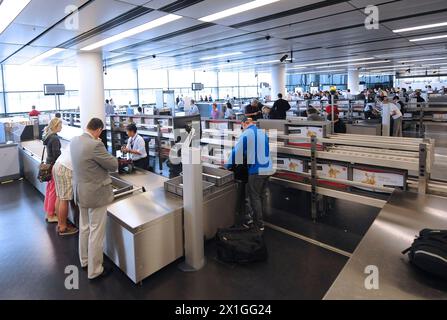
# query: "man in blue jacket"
[253,147]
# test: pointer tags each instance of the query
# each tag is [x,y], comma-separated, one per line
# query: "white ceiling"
[315,30]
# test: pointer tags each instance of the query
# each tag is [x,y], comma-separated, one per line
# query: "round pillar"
[354,81]
[278,81]
[91,89]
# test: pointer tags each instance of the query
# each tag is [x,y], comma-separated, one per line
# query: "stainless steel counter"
[393,231]
[140,211]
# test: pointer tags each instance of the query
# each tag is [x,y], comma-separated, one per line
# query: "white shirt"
[193,110]
[65,158]
[137,144]
[394,111]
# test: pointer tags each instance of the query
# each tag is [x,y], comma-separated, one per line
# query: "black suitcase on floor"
[240,245]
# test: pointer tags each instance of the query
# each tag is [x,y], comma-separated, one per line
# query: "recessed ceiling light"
[221,55]
[235,10]
[144,27]
[427,26]
[9,10]
[353,64]
[429,38]
[330,62]
[421,60]
[44,55]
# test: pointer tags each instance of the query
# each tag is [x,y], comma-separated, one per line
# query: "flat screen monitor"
[52,89]
[197,86]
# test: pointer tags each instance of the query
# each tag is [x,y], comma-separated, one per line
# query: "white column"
[278,81]
[353,81]
[91,89]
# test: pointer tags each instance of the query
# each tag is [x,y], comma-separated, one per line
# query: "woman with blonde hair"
[52,144]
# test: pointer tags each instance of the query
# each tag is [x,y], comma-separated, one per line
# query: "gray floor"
[33,258]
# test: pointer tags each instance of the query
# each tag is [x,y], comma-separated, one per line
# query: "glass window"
[181,78]
[248,79]
[70,100]
[22,101]
[120,79]
[249,92]
[27,78]
[153,78]
[208,78]
[122,97]
[231,91]
[69,76]
[228,79]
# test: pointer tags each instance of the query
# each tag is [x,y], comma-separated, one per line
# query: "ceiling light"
[235,10]
[10,9]
[221,56]
[268,62]
[429,38]
[428,59]
[353,64]
[321,71]
[44,55]
[331,62]
[427,26]
[144,27]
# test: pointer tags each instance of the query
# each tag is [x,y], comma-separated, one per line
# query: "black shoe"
[248,224]
[107,271]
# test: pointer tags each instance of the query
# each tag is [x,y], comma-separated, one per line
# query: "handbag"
[44,174]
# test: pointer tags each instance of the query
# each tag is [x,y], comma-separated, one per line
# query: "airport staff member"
[259,164]
[254,110]
[92,191]
[280,108]
[136,147]
[193,109]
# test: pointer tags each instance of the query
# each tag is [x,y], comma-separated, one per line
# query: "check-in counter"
[364,127]
[144,231]
[10,168]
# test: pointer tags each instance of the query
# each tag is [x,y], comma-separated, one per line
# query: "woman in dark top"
[52,145]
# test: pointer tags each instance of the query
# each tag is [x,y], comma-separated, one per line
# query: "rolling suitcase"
[240,245]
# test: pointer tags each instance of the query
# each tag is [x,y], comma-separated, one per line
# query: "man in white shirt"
[193,109]
[136,147]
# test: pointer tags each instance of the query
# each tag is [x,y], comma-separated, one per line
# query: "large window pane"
[22,101]
[70,100]
[120,79]
[208,78]
[247,79]
[69,76]
[151,79]
[228,79]
[181,78]
[26,78]
[248,92]
[122,97]
[231,91]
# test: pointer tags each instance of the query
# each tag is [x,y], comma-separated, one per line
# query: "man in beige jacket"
[92,191]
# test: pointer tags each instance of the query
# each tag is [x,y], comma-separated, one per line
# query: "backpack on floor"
[240,245]
[429,252]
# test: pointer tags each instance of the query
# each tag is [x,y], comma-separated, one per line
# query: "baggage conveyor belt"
[394,229]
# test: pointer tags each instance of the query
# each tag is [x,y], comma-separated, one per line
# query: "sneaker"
[261,226]
[51,219]
[69,230]
[248,224]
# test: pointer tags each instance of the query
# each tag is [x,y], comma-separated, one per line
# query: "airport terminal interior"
[214,150]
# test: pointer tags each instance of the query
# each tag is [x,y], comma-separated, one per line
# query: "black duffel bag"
[240,245]
[429,252]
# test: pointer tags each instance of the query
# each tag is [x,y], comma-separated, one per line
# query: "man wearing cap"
[253,147]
